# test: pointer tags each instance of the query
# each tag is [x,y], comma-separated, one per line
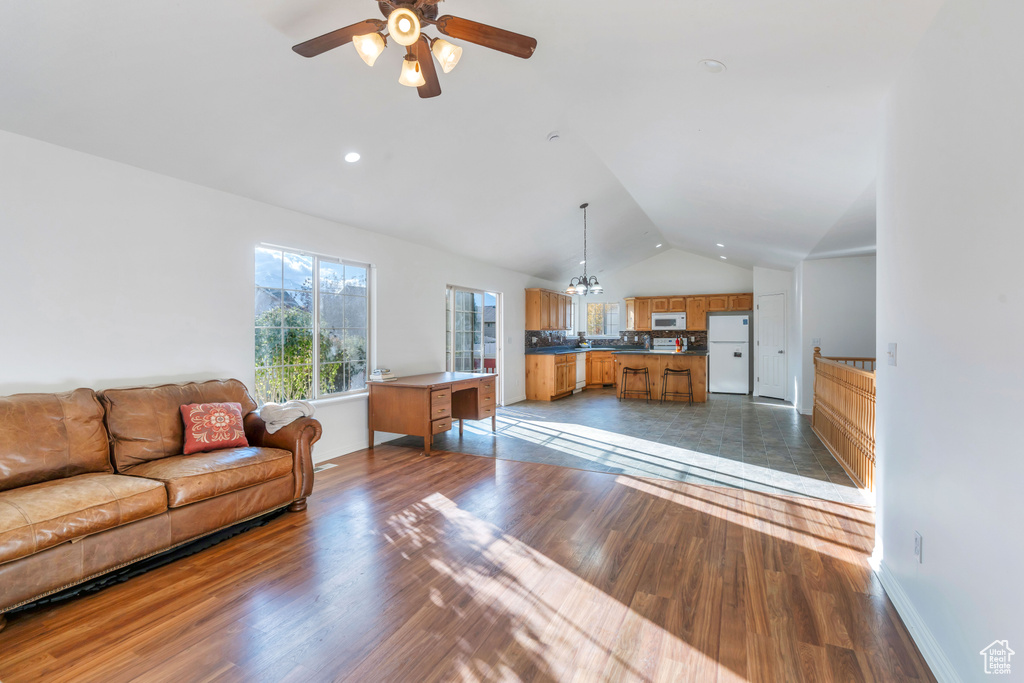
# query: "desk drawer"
[487,399]
[486,411]
[439,410]
[487,386]
[438,426]
[441,397]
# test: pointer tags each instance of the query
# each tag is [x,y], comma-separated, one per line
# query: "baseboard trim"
[940,665]
[515,399]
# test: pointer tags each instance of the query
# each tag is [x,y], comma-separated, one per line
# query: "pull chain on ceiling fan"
[404,24]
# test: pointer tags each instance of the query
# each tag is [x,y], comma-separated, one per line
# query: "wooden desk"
[424,405]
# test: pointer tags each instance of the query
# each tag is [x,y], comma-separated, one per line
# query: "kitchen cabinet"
[550,376]
[741,302]
[659,304]
[600,368]
[630,314]
[643,315]
[718,302]
[677,304]
[696,313]
[548,310]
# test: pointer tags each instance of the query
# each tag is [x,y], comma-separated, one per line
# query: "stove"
[667,344]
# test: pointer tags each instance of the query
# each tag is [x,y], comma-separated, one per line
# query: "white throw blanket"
[278,415]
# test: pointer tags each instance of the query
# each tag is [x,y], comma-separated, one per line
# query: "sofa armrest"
[297,437]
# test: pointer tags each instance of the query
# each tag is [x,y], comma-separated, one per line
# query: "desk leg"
[428,441]
[371,440]
[494,423]
[461,420]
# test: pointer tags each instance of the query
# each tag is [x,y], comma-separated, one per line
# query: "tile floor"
[744,442]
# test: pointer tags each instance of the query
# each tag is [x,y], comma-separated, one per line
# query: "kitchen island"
[656,361]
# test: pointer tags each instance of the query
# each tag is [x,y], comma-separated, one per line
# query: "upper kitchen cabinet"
[696,313]
[547,310]
[677,304]
[741,302]
[659,304]
[643,315]
[718,302]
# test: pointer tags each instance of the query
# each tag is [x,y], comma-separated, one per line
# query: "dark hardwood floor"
[464,568]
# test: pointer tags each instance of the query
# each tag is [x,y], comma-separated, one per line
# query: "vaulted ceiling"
[768,158]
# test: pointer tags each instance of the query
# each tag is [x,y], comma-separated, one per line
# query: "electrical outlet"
[918,540]
[891,354]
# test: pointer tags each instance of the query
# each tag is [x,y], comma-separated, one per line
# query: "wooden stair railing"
[844,413]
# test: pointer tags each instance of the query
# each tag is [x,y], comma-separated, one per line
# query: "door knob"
[781,351]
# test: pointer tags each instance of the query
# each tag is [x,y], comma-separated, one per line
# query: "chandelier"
[583,285]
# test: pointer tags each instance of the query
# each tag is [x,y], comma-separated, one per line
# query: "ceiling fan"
[404,21]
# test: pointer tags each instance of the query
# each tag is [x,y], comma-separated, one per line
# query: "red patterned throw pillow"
[213,426]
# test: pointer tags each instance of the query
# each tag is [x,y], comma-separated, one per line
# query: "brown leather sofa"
[90,483]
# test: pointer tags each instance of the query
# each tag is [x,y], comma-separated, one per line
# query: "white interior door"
[771,345]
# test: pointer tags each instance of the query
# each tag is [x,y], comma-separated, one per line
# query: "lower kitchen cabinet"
[550,376]
[600,368]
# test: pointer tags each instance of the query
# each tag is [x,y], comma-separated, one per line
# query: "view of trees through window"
[290,314]
[602,319]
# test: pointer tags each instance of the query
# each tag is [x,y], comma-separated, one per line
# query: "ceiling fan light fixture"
[412,75]
[404,26]
[369,47]
[447,55]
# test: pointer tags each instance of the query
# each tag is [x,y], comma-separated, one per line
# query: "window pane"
[268,268]
[298,271]
[268,346]
[297,307]
[298,381]
[298,347]
[355,345]
[269,385]
[332,310]
[268,307]
[332,345]
[332,378]
[355,311]
[356,375]
[332,278]
[355,280]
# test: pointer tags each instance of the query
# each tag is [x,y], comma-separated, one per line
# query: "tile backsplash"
[539,339]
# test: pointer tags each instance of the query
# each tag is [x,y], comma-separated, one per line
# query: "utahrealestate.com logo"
[997,657]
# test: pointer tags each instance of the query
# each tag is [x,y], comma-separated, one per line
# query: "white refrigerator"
[729,353]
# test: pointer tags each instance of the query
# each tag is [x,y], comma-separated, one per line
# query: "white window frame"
[371,282]
[584,317]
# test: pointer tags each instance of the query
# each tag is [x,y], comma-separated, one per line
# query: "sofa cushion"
[213,427]
[145,422]
[190,478]
[33,518]
[51,436]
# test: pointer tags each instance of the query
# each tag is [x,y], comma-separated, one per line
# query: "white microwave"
[668,321]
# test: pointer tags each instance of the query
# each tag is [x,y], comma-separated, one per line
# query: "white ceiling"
[766,158]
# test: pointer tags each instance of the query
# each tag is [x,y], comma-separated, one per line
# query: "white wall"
[837,307]
[950,294]
[769,281]
[115,276]
[672,271]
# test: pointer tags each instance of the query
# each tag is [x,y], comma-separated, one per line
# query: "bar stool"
[665,393]
[646,392]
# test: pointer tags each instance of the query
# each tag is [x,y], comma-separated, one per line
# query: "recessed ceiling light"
[719,245]
[721,257]
[352,157]
[657,246]
[712,65]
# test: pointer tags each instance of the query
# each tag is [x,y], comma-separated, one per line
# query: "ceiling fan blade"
[329,41]
[488,36]
[421,49]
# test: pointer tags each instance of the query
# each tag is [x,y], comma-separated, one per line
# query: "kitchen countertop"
[654,352]
[559,350]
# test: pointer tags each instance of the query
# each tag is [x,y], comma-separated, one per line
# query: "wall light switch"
[891,354]
[816,341]
[918,547]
